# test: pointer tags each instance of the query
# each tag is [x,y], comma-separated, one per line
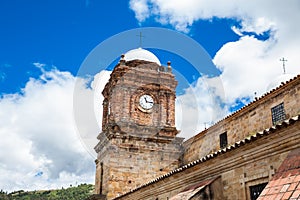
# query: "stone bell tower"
[138,140]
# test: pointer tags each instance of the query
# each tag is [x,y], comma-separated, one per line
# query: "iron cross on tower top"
[141,36]
[283,63]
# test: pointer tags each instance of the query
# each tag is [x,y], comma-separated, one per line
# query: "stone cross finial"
[141,36]
[283,63]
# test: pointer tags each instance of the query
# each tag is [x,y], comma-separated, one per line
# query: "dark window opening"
[278,114]
[256,190]
[223,140]
[101,177]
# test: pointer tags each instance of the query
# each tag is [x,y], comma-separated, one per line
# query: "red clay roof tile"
[286,182]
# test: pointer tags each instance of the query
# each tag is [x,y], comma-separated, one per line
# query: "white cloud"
[256,15]
[88,110]
[250,65]
[141,8]
[40,145]
[240,77]
[199,107]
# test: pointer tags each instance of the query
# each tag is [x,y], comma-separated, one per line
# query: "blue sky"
[44,43]
[63,33]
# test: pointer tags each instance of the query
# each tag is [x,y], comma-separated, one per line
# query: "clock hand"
[151,102]
[146,100]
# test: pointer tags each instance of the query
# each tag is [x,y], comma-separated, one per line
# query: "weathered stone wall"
[129,162]
[253,163]
[247,121]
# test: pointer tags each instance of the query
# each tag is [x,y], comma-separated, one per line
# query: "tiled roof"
[286,182]
[236,145]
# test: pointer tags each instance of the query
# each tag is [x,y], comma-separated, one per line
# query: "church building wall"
[251,163]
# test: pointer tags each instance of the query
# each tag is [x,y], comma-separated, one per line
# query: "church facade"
[140,157]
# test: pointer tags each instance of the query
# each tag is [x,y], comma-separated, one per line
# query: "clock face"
[146,101]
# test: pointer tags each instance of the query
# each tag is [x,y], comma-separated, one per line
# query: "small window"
[256,190]
[278,114]
[223,140]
